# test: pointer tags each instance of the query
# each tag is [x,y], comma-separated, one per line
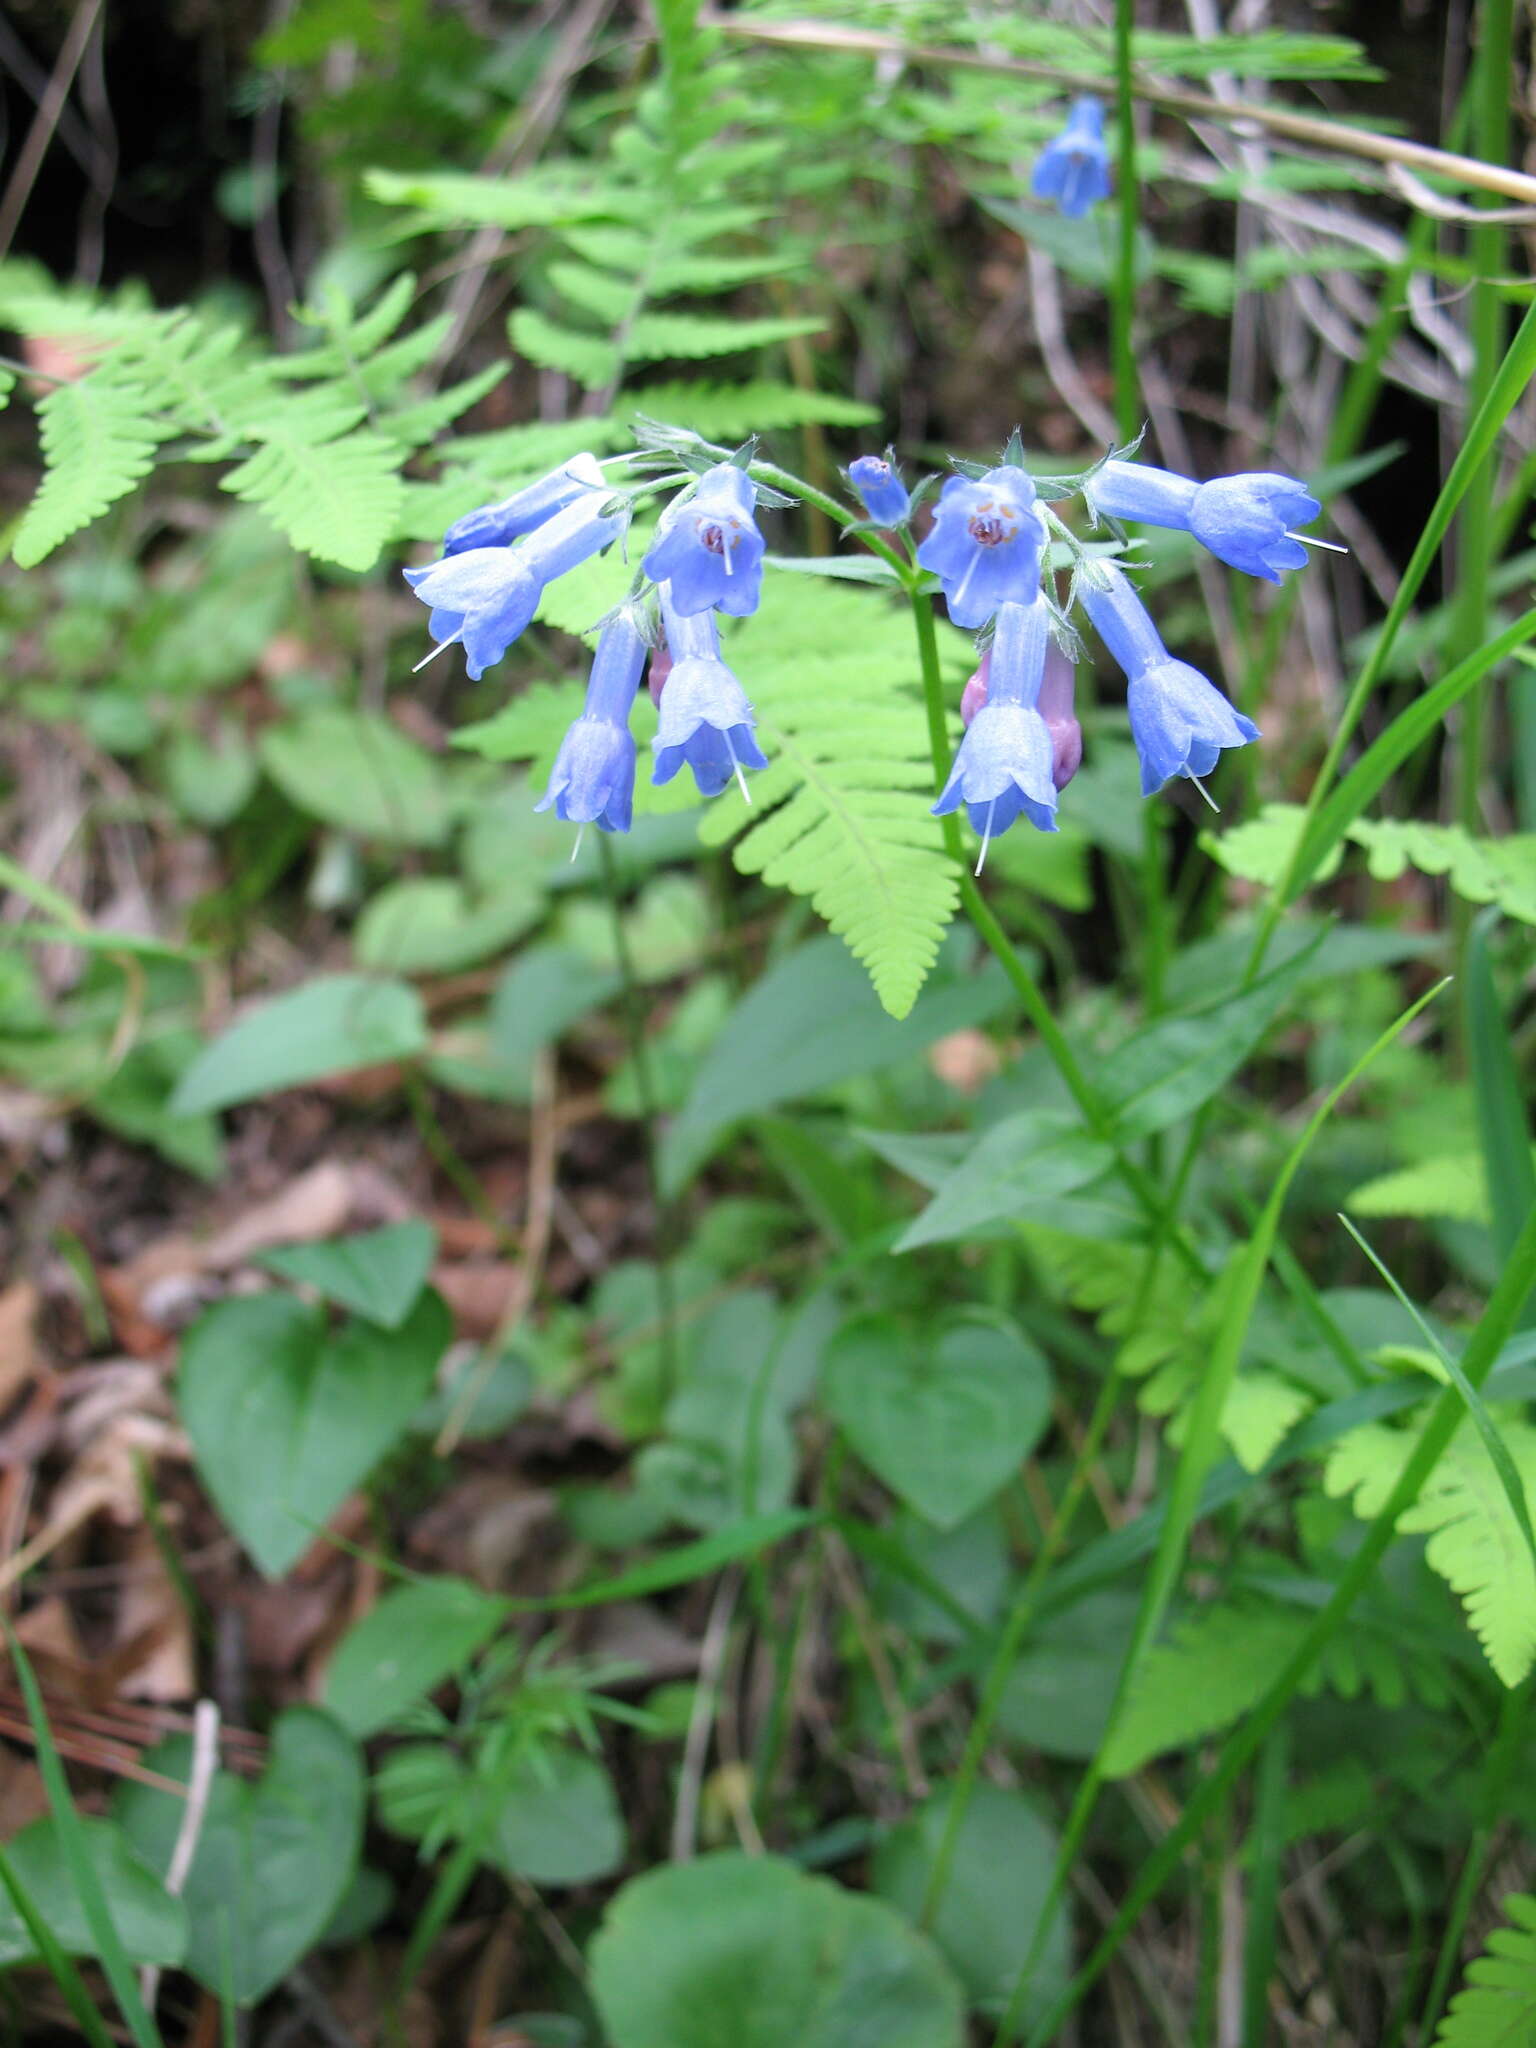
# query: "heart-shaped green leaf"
[416,1637]
[286,1416]
[750,1951]
[377,1274]
[273,1860]
[151,1925]
[944,1415]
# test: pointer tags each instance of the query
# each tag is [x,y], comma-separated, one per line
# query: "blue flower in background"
[1073,167]
[1244,520]
[882,490]
[708,548]
[593,779]
[985,544]
[486,597]
[493,526]
[1180,721]
[1004,766]
[705,718]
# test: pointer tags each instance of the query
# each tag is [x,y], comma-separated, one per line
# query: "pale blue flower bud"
[881,489]
[491,526]
[1073,167]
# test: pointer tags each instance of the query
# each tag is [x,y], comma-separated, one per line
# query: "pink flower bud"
[975,693]
[656,675]
[1055,707]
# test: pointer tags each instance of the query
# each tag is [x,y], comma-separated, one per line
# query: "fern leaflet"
[841,813]
[1475,1542]
[98,441]
[1497,2008]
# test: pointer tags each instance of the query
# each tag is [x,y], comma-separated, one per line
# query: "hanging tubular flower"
[1245,520]
[1004,764]
[882,490]
[1057,689]
[705,718]
[1073,167]
[986,543]
[493,526]
[708,548]
[1180,721]
[593,779]
[486,597]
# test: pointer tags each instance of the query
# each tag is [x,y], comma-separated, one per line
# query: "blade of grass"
[77,1858]
[1494,1444]
[1196,1459]
[1505,390]
[1493,1331]
[1328,823]
[1502,1127]
[1266,1856]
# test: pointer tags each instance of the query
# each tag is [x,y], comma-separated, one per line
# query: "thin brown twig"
[49,108]
[1307,128]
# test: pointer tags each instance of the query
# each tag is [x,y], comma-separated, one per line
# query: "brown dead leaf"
[153,1625]
[480,1527]
[23,1796]
[18,1348]
[478,1292]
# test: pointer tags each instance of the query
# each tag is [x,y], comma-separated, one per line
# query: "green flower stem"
[1491,92]
[1122,302]
[980,912]
[650,1117]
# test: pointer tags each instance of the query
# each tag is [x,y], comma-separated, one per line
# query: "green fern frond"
[654,337]
[608,297]
[1475,1542]
[591,359]
[1497,2008]
[1501,871]
[204,371]
[1222,1660]
[841,813]
[544,197]
[98,441]
[335,498]
[632,252]
[730,412]
[414,424]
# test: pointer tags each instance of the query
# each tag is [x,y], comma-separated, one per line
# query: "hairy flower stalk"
[986,543]
[486,597]
[593,779]
[494,526]
[1180,721]
[884,495]
[705,718]
[1246,521]
[1073,168]
[708,548]
[1004,766]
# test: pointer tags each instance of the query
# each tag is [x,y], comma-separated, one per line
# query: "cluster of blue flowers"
[1022,744]
[987,551]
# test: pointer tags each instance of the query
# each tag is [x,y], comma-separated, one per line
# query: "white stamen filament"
[1309,540]
[577,847]
[1216,807]
[746,794]
[437,650]
[986,838]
